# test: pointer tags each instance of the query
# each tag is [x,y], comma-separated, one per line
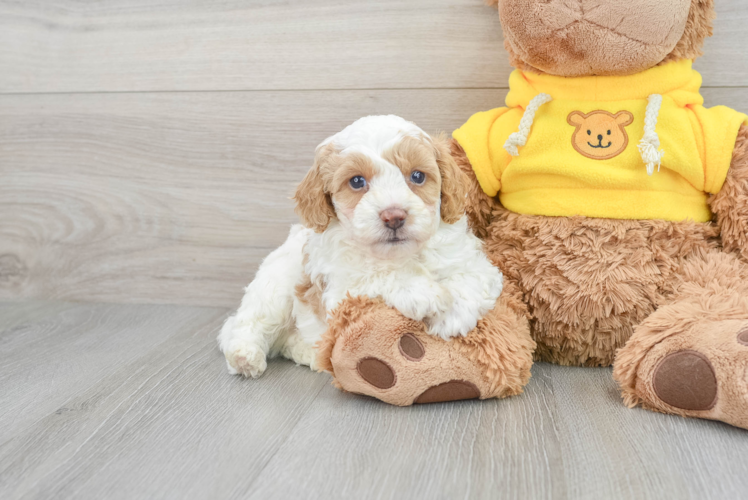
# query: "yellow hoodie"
[619,147]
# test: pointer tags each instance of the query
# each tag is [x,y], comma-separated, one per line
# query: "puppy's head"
[388,184]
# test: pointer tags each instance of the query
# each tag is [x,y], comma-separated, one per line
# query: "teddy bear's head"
[602,37]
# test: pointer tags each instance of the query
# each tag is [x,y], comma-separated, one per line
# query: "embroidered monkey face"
[600,135]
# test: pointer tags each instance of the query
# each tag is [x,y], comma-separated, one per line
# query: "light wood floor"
[147,152]
[131,401]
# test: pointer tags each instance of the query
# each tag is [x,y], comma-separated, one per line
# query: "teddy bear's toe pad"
[454,390]
[411,348]
[377,373]
[743,336]
[686,380]
[699,372]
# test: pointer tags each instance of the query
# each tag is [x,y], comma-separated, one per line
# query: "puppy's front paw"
[246,359]
[424,302]
[451,324]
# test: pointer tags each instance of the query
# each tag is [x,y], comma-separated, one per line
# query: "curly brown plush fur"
[588,282]
[730,205]
[478,205]
[500,345]
[698,29]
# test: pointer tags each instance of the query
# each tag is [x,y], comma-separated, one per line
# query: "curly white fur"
[443,278]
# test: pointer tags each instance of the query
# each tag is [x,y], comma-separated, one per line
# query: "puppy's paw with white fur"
[246,359]
[426,299]
[452,324]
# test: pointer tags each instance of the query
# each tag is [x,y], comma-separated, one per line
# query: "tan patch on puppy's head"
[444,180]
[330,178]
[600,135]
[350,166]
[411,155]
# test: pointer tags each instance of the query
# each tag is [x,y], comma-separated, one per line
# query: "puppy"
[383,216]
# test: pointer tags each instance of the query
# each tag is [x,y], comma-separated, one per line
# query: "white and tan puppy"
[383,214]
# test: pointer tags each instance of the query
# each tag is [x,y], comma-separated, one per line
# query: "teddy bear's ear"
[576,118]
[624,118]
[698,29]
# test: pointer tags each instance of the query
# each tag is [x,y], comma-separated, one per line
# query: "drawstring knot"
[649,146]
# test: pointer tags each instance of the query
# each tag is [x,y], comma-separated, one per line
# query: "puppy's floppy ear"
[313,201]
[454,182]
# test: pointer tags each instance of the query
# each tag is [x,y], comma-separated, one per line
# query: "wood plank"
[568,436]
[20,313]
[725,62]
[170,424]
[49,358]
[175,198]
[276,44]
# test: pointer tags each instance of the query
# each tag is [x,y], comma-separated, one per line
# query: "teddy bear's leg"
[373,350]
[690,357]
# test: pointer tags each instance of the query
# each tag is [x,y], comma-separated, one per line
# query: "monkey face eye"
[608,132]
[589,132]
[357,182]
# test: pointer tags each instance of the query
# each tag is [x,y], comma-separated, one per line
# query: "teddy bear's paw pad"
[743,336]
[701,372]
[411,348]
[454,390]
[687,380]
[377,373]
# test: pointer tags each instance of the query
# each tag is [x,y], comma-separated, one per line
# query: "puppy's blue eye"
[357,182]
[417,177]
[589,132]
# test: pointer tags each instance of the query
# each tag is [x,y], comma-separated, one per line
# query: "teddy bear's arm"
[478,205]
[730,205]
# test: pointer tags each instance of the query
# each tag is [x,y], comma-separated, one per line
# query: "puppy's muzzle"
[393,218]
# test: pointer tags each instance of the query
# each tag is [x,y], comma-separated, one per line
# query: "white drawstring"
[649,146]
[520,138]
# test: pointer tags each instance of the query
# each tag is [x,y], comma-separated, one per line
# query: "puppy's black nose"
[600,137]
[393,218]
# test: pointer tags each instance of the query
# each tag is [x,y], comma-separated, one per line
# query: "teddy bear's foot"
[373,350]
[699,371]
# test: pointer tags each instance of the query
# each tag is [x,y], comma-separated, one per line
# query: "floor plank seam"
[288,435]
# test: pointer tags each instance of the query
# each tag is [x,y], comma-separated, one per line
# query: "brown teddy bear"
[616,206]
